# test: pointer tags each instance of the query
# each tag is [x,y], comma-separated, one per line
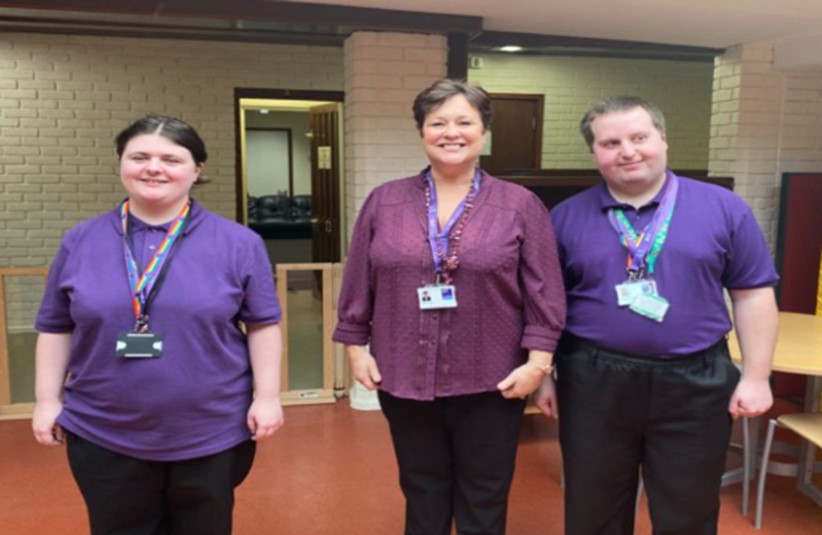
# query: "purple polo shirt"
[508,288]
[713,242]
[191,401]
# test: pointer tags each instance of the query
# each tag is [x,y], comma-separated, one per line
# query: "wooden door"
[516,133]
[325,182]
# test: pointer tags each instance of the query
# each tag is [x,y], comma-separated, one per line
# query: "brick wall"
[383,74]
[571,85]
[64,98]
[765,122]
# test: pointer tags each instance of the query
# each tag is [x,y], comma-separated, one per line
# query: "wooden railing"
[334,374]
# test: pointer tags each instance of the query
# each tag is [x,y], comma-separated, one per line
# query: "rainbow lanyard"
[142,285]
[644,248]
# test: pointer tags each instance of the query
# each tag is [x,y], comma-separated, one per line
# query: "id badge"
[629,291]
[139,345]
[437,296]
[651,306]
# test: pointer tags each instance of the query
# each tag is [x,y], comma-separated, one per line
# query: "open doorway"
[289,147]
[289,172]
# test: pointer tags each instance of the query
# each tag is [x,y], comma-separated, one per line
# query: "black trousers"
[622,415]
[128,496]
[456,458]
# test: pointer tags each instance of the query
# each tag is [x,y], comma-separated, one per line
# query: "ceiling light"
[510,48]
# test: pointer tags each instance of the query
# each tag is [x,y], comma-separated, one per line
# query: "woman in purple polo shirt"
[142,366]
[451,306]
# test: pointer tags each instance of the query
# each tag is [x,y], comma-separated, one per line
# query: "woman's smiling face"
[155,171]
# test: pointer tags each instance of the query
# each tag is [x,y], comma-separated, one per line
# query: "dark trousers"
[456,459]
[622,415]
[128,496]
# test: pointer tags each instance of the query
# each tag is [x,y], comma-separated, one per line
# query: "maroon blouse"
[508,286]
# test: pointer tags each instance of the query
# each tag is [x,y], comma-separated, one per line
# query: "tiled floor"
[331,470]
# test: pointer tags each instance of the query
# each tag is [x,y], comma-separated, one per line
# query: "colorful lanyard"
[644,248]
[142,285]
[447,261]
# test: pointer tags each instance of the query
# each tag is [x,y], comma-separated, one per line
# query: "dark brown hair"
[437,93]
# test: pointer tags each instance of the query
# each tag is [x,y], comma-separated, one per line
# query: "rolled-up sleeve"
[541,279]
[356,301]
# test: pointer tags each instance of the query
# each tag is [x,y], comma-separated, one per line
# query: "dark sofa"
[280,217]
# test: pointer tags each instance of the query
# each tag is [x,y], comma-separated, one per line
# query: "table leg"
[807,451]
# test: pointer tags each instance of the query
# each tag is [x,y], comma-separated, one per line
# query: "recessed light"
[510,48]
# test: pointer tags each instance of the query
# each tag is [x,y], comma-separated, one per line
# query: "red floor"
[331,470]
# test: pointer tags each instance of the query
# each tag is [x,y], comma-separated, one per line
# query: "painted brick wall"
[384,72]
[64,98]
[765,122]
[571,85]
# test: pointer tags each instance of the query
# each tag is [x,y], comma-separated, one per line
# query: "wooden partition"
[9,408]
[307,295]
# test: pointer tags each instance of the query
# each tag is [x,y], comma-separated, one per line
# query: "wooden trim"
[285,13]
[457,68]
[18,411]
[288,94]
[240,193]
[342,375]
[5,372]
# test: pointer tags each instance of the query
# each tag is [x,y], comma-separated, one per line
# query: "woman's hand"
[265,416]
[545,398]
[364,367]
[521,382]
[44,423]
[526,378]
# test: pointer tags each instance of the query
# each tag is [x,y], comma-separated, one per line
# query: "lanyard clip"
[141,325]
[636,274]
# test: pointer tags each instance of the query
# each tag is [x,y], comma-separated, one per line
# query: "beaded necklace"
[450,257]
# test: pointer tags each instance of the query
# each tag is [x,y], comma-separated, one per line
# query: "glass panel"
[23,295]
[305,330]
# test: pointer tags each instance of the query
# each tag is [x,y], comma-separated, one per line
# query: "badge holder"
[140,343]
[437,296]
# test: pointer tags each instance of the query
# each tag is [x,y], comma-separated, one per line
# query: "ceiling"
[704,23]
[698,26]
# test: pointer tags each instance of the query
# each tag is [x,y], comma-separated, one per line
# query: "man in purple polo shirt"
[645,382]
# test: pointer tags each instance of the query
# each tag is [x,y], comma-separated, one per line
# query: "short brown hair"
[437,93]
[619,103]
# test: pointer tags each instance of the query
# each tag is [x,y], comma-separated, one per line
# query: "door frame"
[266,94]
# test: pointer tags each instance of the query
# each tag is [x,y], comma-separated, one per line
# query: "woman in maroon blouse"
[451,306]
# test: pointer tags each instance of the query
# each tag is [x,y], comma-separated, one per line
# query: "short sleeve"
[749,262]
[260,302]
[54,315]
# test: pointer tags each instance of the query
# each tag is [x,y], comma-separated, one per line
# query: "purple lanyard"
[444,263]
[653,235]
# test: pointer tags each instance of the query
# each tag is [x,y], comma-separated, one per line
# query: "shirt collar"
[195,216]
[607,201]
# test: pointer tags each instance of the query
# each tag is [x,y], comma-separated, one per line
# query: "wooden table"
[799,350]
